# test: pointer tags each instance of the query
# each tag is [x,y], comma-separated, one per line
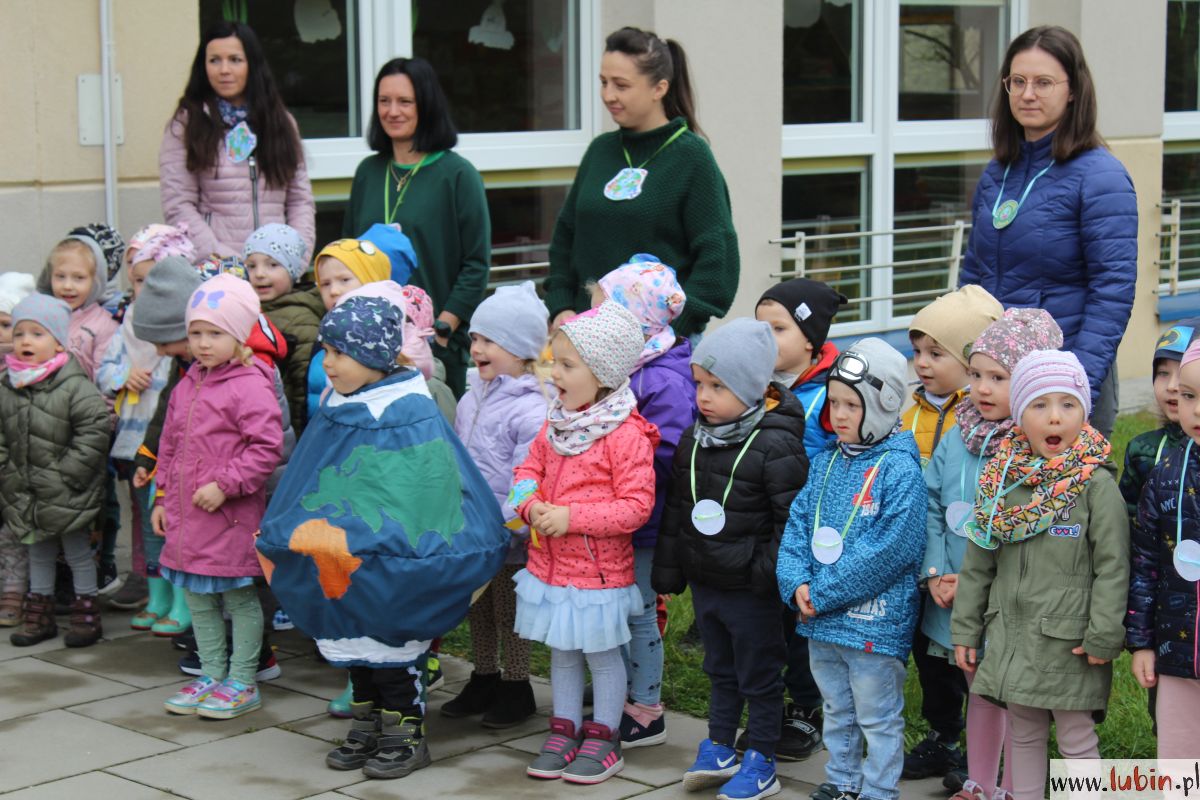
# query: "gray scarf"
[730,432]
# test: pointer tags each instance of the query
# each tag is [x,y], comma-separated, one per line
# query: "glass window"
[1181,181]
[506,66]
[830,205]
[312,49]
[1183,49]
[926,196]
[950,56]
[523,220]
[822,61]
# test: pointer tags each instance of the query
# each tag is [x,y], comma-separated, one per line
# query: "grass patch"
[1125,733]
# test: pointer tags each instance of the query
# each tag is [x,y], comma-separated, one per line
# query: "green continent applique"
[419,487]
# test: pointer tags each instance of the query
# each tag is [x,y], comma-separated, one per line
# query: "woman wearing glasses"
[1055,214]
[415,179]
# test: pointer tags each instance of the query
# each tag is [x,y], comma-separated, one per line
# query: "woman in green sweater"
[415,179]
[653,186]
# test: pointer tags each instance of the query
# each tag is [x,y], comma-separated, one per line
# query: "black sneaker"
[830,791]
[108,579]
[268,667]
[931,757]
[133,595]
[955,779]
[185,642]
[801,735]
[635,734]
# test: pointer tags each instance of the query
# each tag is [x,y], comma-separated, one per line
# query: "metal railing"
[1177,244]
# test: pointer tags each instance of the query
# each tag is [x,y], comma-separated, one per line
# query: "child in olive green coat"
[1046,585]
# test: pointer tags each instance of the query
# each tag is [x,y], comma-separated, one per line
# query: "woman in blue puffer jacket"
[1055,213]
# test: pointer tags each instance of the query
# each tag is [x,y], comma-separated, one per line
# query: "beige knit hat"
[955,319]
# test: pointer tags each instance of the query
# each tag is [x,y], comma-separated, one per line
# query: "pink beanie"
[1191,354]
[1044,371]
[157,241]
[228,302]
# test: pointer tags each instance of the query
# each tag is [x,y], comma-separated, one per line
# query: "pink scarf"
[22,373]
[573,432]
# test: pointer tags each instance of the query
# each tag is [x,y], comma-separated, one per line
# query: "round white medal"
[1187,560]
[827,545]
[626,184]
[958,514]
[708,517]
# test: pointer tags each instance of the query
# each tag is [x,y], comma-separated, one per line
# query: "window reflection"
[822,61]
[950,56]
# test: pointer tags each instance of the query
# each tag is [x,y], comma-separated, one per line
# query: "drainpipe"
[110,147]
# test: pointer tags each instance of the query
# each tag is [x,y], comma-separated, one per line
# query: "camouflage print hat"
[368,329]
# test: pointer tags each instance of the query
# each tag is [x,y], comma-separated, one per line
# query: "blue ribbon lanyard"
[1000,197]
[962,471]
[1003,493]
[1179,502]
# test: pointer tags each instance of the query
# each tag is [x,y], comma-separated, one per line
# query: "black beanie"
[811,304]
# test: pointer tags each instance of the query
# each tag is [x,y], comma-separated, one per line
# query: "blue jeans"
[864,698]
[644,653]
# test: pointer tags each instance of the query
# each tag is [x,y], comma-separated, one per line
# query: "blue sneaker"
[715,764]
[755,780]
[281,621]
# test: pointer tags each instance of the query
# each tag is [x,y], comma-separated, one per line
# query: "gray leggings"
[78,549]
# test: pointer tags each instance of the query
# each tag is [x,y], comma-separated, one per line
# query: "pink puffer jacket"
[217,205]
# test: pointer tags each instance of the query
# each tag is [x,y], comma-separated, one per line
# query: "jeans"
[644,653]
[864,699]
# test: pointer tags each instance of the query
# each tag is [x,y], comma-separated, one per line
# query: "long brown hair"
[1077,130]
[660,60]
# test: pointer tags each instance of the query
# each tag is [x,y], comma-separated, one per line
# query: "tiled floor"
[89,723]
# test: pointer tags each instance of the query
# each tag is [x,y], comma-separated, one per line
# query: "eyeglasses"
[852,368]
[1043,85]
[353,245]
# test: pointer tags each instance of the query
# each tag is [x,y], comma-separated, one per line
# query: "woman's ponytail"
[680,101]
[660,60]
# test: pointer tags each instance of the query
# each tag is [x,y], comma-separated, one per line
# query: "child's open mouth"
[1053,441]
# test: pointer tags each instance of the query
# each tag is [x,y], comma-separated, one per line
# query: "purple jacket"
[218,205]
[497,421]
[222,425]
[666,396]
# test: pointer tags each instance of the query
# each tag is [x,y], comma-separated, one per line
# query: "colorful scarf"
[1056,482]
[975,430]
[571,433]
[730,432]
[22,373]
[231,115]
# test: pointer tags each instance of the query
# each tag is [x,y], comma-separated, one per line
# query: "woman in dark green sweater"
[415,179]
[653,186]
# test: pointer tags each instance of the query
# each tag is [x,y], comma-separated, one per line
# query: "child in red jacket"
[586,486]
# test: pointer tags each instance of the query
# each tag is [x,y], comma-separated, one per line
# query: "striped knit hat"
[1044,371]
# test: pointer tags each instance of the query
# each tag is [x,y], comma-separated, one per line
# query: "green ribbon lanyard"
[1004,492]
[682,130]
[867,483]
[1158,453]
[389,210]
[728,486]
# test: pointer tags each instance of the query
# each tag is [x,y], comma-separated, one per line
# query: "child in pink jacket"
[586,486]
[222,438]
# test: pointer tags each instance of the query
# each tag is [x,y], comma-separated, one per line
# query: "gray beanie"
[514,318]
[158,314]
[282,243]
[742,354]
[877,372]
[51,313]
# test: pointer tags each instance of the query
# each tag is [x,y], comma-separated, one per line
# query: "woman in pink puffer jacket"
[231,159]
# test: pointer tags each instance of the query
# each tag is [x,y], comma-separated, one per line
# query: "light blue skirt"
[203,584]
[569,618]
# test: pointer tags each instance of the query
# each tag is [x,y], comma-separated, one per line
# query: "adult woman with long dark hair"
[415,179]
[652,186]
[1055,213]
[231,158]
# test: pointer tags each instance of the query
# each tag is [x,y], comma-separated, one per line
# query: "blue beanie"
[368,329]
[397,247]
[514,318]
[51,313]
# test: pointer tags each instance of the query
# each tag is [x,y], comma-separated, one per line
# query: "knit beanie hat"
[14,287]
[742,354]
[1019,331]
[396,246]
[1044,371]
[159,313]
[106,243]
[280,242]
[608,339]
[877,372]
[366,261]
[51,313]
[1176,340]
[157,241]
[649,289]
[514,318]
[812,305]
[226,302]
[367,327]
[954,320]
[1191,354]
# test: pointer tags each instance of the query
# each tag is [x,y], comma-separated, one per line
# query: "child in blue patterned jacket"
[849,563]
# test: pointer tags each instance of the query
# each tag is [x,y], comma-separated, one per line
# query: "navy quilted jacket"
[1072,249]
[1162,605]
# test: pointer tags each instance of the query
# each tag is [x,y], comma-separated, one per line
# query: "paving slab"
[269,764]
[57,744]
[143,712]
[32,685]
[792,790]
[92,786]
[308,675]
[143,661]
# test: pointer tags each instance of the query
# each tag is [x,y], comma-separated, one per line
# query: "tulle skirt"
[569,618]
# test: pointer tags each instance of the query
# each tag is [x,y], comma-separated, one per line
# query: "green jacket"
[54,438]
[1034,601]
[298,315]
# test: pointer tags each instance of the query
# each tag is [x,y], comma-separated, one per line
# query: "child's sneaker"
[434,678]
[231,699]
[932,756]
[714,764]
[281,621]
[558,751]
[187,699]
[970,791]
[401,747]
[642,725]
[361,743]
[599,756]
[755,780]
